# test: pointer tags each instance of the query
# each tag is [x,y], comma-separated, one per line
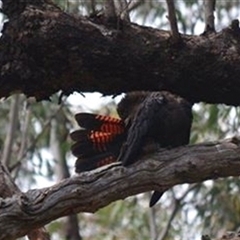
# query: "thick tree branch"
[44,50]
[90,191]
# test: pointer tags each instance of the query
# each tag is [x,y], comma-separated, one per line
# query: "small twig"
[209,7]
[152,221]
[13,121]
[93,6]
[176,206]
[173,20]
[135,4]
[57,137]
[24,132]
[109,9]
[35,140]
[164,232]
[121,7]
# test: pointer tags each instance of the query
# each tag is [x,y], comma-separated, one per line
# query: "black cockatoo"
[160,117]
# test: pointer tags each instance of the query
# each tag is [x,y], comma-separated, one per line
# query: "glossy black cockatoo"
[160,117]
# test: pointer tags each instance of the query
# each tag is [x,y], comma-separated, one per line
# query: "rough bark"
[7,190]
[43,50]
[90,191]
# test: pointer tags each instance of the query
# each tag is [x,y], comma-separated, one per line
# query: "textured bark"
[90,191]
[7,190]
[43,50]
[7,186]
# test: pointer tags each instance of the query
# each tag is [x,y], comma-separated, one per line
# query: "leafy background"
[35,145]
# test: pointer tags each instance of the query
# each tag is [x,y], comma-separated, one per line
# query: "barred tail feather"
[99,122]
[94,141]
[99,143]
[88,164]
[96,137]
[80,149]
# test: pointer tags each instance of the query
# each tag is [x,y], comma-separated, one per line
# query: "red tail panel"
[99,143]
[100,123]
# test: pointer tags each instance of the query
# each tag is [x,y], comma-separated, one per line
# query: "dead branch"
[173,20]
[209,8]
[109,9]
[12,128]
[122,9]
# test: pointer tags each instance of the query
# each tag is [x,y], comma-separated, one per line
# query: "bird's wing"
[142,121]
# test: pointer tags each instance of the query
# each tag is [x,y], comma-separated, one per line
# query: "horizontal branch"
[44,50]
[91,191]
